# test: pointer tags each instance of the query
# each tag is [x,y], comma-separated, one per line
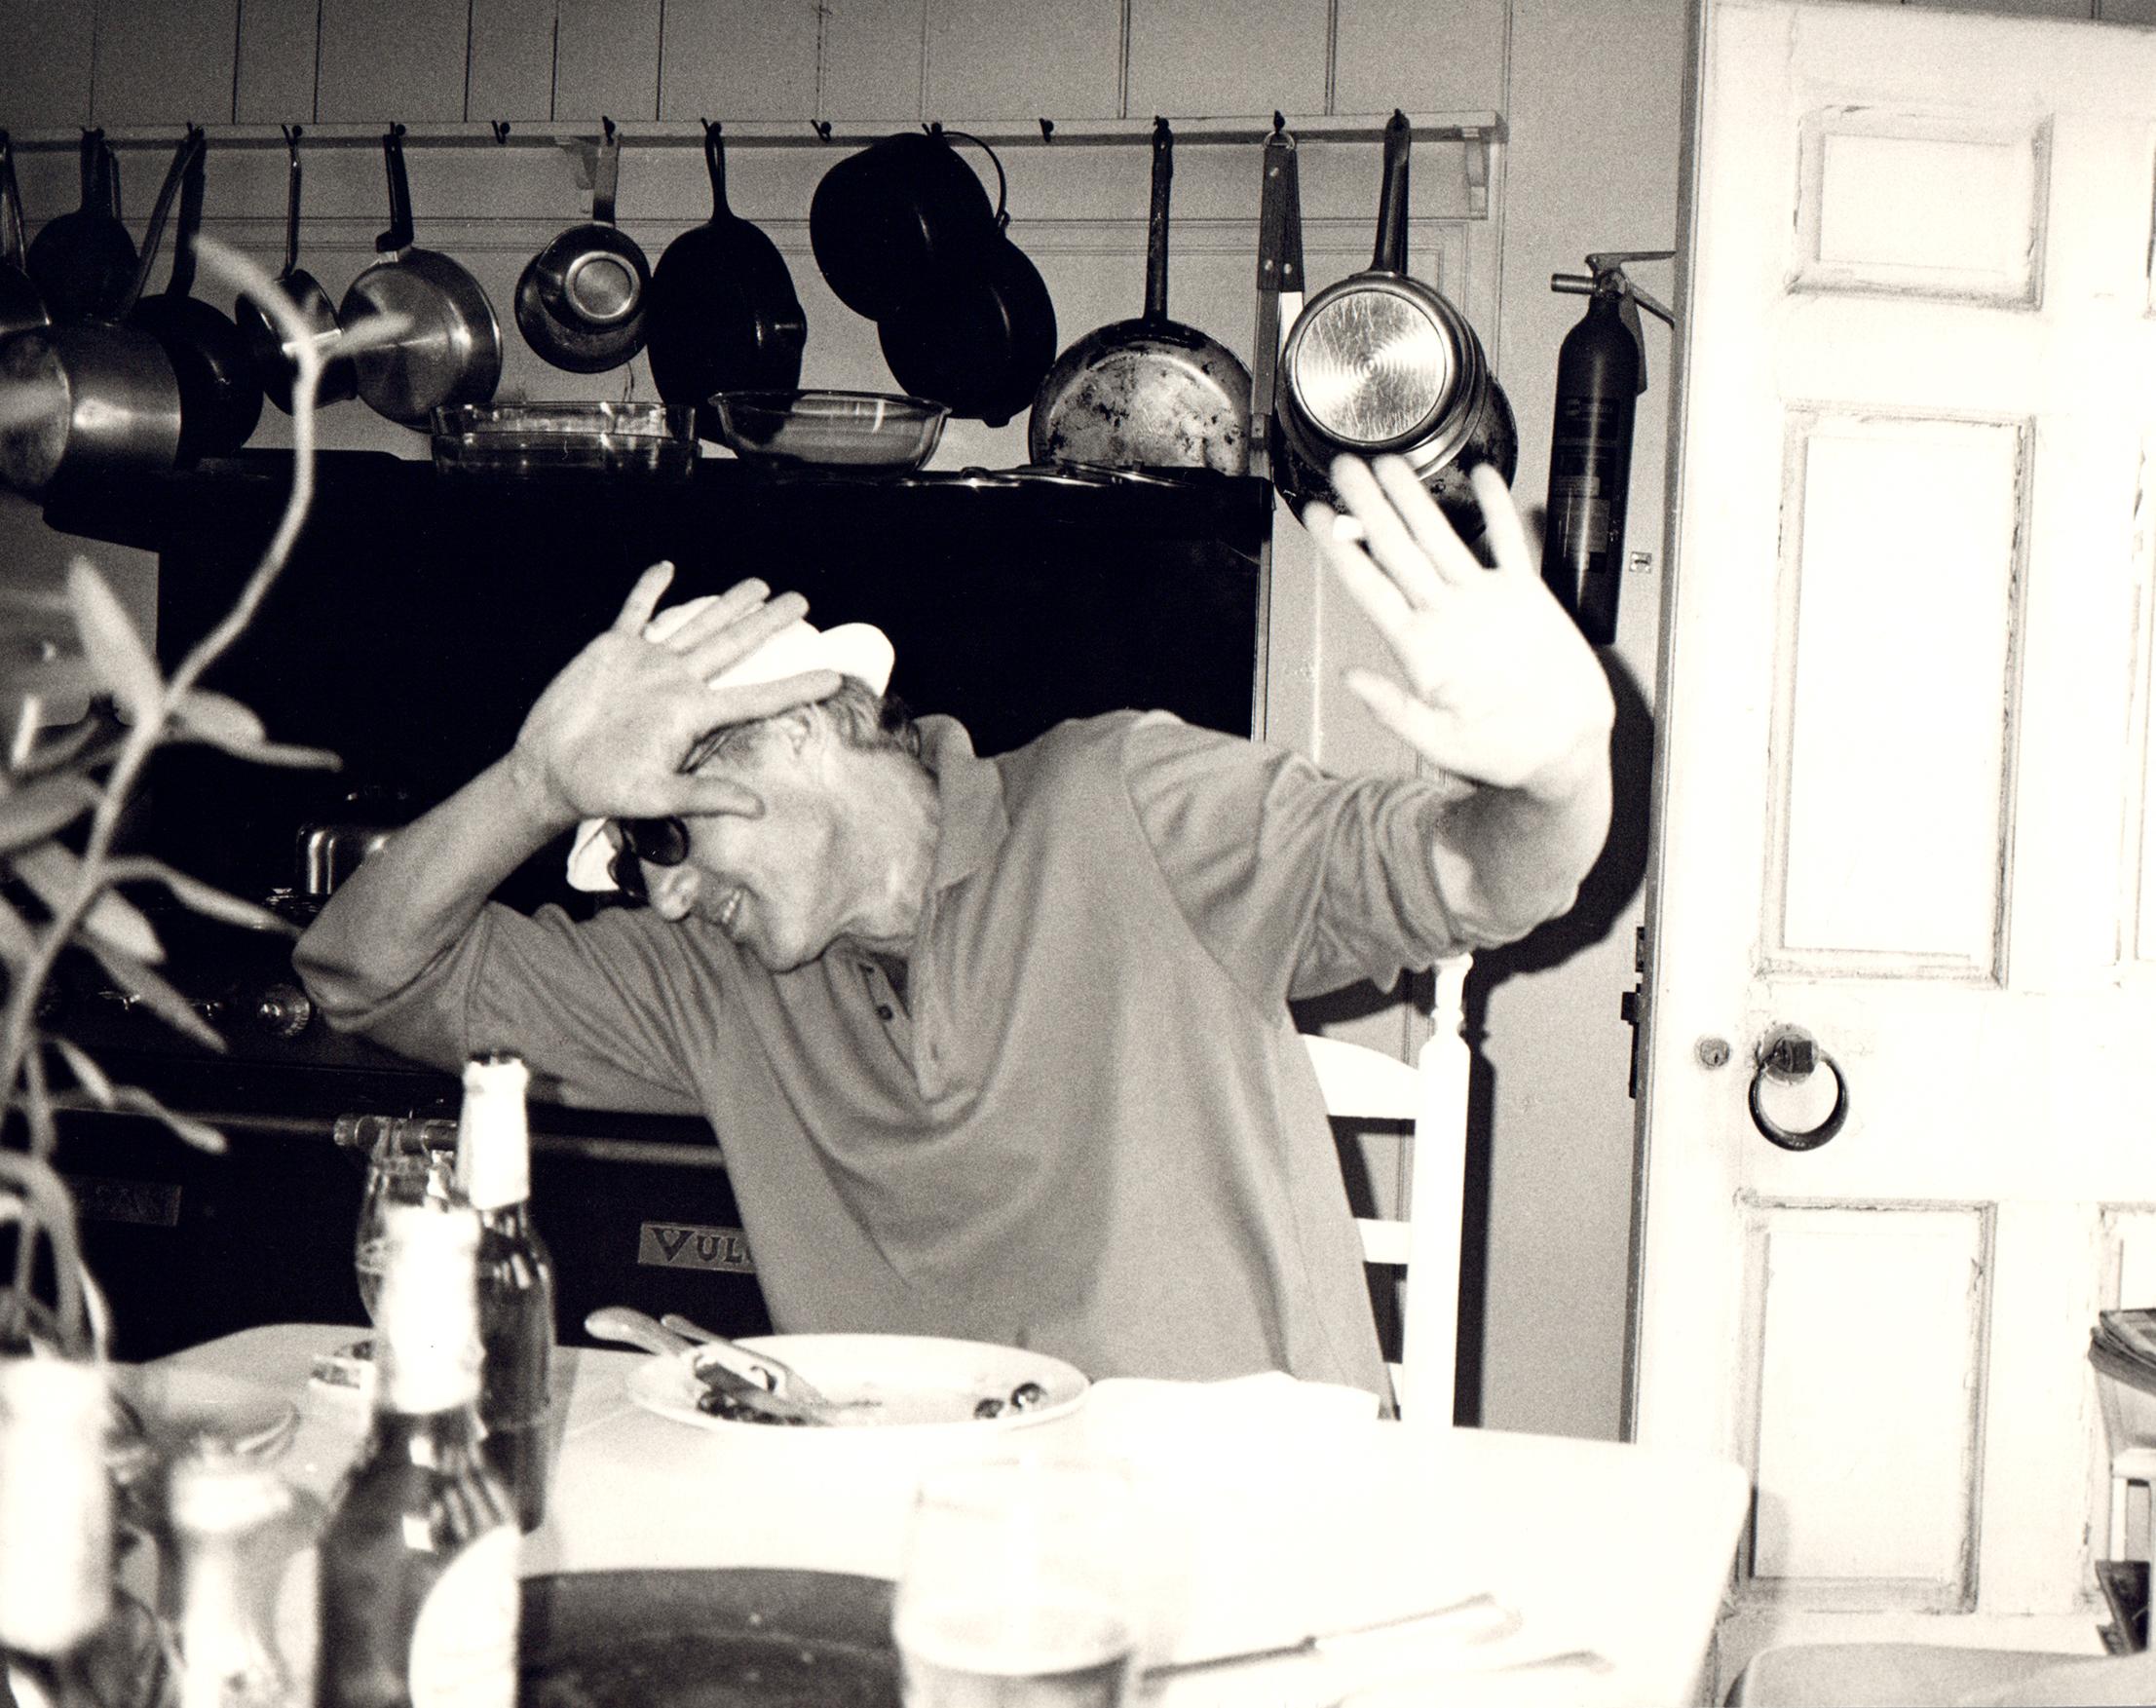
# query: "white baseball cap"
[859,650]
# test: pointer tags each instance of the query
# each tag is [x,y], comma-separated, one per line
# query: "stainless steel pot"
[1380,362]
[580,301]
[451,351]
[96,399]
[21,305]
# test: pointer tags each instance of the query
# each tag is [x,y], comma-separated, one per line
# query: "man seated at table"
[1001,1048]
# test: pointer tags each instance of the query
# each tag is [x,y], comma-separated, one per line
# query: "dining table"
[1586,1571]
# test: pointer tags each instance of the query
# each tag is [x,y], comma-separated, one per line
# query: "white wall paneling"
[392,60]
[511,73]
[169,60]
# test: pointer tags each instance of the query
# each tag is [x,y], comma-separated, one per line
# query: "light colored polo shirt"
[1090,1129]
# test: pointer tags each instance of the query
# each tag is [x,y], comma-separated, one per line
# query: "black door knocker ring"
[1788,1054]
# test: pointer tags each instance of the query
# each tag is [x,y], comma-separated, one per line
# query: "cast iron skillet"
[220,396]
[977,332]
[273,358]
[1151,392]
[894,213]
[83,263]
[724,316]
[744,1636]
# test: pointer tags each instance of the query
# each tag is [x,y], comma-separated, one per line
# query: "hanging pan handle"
[1156,222]
[400,234]
[1392,198]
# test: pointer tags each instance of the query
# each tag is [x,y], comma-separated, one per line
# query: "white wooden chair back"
[1361,1084]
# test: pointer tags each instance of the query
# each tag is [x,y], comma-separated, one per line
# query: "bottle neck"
[493,1142]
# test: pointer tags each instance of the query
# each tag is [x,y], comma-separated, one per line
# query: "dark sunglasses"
[664,842]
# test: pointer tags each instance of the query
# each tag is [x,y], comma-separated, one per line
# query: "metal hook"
[501,130]
[1048,129]
[821,126]
[293,135]
[608,124]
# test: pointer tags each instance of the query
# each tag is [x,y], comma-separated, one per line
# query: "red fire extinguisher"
[1601,371]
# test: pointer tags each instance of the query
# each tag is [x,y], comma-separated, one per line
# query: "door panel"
[1904,804]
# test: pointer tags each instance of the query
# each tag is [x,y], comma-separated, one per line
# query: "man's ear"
[672,889]
[798,726]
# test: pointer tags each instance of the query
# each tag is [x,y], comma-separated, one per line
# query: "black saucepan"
[21,305]
[275,360]
[220,397]
[83,263]
[582,302]
[1149,393]
[891,214]
[450,350]
[94,398]
[723,313]
[978,331]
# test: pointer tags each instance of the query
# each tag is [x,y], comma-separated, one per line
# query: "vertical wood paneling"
[1429,56]
[606,60]
[871,65]
[741,60]
[1183,61]
[165,61]
[512,61]
[50,85]
[990,59]
[275,83]
[401,60]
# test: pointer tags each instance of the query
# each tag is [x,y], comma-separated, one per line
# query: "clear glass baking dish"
[654,441]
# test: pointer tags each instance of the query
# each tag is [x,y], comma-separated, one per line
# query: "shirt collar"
[969,793]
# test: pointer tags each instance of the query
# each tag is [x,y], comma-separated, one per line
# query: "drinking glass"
[1014,1590]
[405,1167]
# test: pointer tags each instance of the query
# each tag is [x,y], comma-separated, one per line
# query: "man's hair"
[863,718]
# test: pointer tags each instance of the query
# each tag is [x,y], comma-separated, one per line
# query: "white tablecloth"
[1309,1516]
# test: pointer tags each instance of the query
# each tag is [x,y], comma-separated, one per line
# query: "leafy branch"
[50,786]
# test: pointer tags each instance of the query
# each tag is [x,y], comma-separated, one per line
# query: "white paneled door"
[1906,810]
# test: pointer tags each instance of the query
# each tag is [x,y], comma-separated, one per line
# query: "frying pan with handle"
[451,350]
[1151,392]
[220,399]
[724,316]
[21,305]
[582,302]
[977,331]
[84,263]
[276,361]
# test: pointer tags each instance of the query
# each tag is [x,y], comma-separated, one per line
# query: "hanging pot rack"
[1477,130]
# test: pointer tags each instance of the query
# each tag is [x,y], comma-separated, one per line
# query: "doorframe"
[1697,32]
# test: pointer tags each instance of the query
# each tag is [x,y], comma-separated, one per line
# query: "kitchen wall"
[1585,95]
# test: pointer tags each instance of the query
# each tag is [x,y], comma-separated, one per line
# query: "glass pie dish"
[652,441]
[829,430]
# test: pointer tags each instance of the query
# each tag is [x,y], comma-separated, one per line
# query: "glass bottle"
[231,1525]
[516,1280]
[66,1639]
[417,1598]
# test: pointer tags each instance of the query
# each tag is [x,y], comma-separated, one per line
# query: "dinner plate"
[719,1638]
[888,1382]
